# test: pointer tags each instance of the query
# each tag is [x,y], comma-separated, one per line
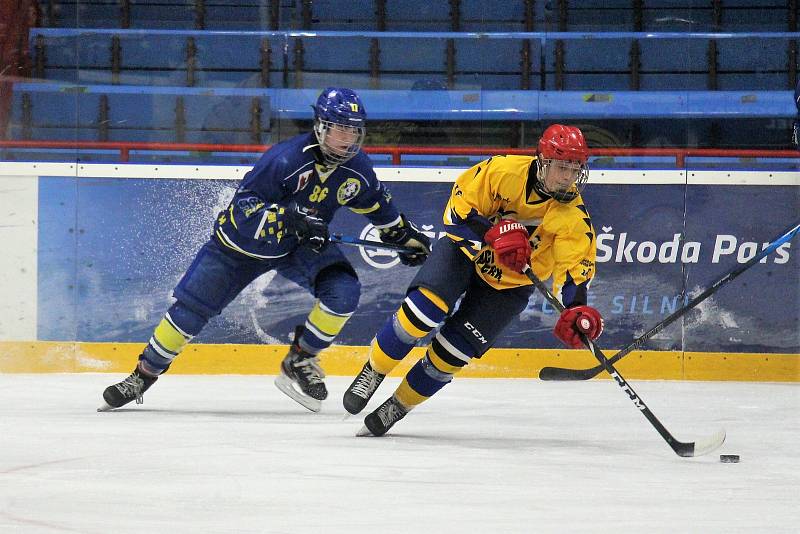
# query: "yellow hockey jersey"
[562,238]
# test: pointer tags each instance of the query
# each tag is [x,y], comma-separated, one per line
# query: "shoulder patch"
[348,190]
[303,179]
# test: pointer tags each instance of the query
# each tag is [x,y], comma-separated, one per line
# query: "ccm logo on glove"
[509,239]
[577,320]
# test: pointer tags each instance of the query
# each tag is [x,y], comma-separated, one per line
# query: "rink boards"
[92,252]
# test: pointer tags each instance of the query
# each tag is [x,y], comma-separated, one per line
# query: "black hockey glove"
[309,229]
[796,134]
[406,234]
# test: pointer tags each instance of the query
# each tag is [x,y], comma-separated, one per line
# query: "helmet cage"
[571,191]
[333,153]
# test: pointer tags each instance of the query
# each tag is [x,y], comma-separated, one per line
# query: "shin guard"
[421,312]
[179,325]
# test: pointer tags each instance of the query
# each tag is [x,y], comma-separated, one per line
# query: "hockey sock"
[447,354]
[421,311]
[422,381]
[176,329]
[321,328]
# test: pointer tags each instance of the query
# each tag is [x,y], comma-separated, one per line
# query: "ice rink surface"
[221,454]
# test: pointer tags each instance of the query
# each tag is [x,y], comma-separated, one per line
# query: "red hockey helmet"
[562,169]
[563,143]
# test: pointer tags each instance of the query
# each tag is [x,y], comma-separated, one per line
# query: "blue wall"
[110,251]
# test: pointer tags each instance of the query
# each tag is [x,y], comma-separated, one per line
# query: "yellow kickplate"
[343,360]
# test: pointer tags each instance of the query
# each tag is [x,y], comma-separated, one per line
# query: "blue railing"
[479,105]
[541,36]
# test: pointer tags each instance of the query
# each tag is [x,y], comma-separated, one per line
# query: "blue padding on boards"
[57,266]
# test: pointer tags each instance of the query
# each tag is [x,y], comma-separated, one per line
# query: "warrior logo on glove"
[509,239]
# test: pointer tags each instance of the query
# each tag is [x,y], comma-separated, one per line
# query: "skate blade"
[364,432]
[286,385]
[106,407]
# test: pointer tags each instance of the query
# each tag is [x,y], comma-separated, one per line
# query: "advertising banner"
[112,249]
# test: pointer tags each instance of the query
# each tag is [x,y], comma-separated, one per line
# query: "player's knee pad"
[338,289]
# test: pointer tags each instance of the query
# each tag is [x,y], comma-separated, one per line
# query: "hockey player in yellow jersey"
[505,215]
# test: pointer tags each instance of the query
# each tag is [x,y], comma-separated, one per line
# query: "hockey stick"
[559,373]
[692,448]
[355,242]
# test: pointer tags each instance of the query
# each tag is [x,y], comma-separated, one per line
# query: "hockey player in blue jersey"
[278,220]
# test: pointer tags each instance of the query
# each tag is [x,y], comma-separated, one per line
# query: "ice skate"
[132,388]
[383,418]
[301,376]
[361,390]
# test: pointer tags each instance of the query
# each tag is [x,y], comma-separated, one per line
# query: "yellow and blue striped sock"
[421,311]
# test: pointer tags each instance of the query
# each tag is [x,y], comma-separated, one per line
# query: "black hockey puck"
[729,458]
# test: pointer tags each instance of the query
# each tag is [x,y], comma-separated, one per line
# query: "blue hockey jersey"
[290,172]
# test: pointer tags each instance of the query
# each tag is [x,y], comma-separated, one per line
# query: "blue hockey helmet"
[339,124]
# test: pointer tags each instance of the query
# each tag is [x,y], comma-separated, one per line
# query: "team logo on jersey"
[485,265]
[303,179]
[348,190]
[249,205]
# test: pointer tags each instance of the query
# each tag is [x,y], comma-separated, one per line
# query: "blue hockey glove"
[406,234]
[309,229]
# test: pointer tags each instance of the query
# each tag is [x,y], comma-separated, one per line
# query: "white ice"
[232,454]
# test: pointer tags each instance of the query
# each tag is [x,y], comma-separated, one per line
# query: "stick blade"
[701,447]
[710,444]
[558,373]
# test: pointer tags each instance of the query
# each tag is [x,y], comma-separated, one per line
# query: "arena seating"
[153,70]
